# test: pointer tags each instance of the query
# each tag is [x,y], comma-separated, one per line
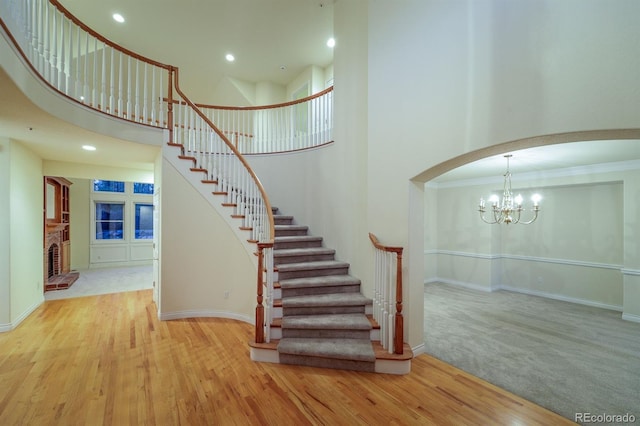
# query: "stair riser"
[282,221]
[281,260]
[306,273]
[322,310]
[326,334]
[312,291]
[339,364]
[276,334]
[283,245]
[290,232]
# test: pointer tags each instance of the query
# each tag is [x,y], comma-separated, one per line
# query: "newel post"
[259,306]
[399,331]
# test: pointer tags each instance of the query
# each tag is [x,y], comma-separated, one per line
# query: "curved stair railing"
[387,297]
[87,68]
[237,185]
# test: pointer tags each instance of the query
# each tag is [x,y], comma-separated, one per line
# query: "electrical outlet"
[226,294]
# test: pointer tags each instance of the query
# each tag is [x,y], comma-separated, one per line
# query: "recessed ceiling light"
[229,57]
[88,147]
[331,42]
[118,18]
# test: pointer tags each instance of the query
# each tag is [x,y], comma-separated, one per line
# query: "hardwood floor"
[108,360]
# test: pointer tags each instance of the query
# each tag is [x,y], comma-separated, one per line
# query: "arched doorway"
[600,173]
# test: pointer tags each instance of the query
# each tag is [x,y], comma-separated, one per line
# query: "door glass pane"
[144,221]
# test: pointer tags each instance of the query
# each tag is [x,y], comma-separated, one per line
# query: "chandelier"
[508,209]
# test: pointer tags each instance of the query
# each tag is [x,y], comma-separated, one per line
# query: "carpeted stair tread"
[329,280]
[305,266]
[302,251]
[347,349]
[288,238]
[332,299]
[330,322]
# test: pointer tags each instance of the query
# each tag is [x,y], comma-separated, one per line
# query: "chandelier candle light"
[509,209]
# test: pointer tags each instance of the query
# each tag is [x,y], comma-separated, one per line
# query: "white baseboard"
[385,366]
[631,317]
[419,350]
[13,324]
[561,298]
[546,295]
[168,316]
[470,286]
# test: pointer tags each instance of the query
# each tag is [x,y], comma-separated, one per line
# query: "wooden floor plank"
[108,360]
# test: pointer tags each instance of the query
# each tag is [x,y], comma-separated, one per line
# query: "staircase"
[322,319]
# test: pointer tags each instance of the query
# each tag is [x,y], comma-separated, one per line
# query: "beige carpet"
[106,280]
[566,357]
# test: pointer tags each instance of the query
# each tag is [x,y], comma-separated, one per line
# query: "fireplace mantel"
[55,227]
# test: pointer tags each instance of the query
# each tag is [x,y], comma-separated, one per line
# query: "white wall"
[574,251]
[5,227]
[26,232]
[201,257]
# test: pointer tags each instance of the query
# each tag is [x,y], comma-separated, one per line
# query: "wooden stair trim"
[272,345]
[382,353]
[198,169]
[229,205]
[220,193]
[187,157]
[238,216]
[248,228]
[209,181]
[374,323]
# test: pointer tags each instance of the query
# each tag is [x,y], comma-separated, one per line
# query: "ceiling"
[546,158]
[272,40]
[264,36]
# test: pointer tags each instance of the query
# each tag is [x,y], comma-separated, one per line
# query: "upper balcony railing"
[290,126]
[85,66]
[96,72]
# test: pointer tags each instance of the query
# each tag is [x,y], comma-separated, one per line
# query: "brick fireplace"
[56,277]
[57,244]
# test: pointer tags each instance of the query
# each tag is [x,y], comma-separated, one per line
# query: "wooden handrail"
[105,40]
[234,150]
[259,312]
[128,116]
[259,107]
[398,339]
[272,106]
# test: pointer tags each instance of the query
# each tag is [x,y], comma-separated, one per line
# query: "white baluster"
[103,79]
[145,112]
[137,100]
[153,96]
